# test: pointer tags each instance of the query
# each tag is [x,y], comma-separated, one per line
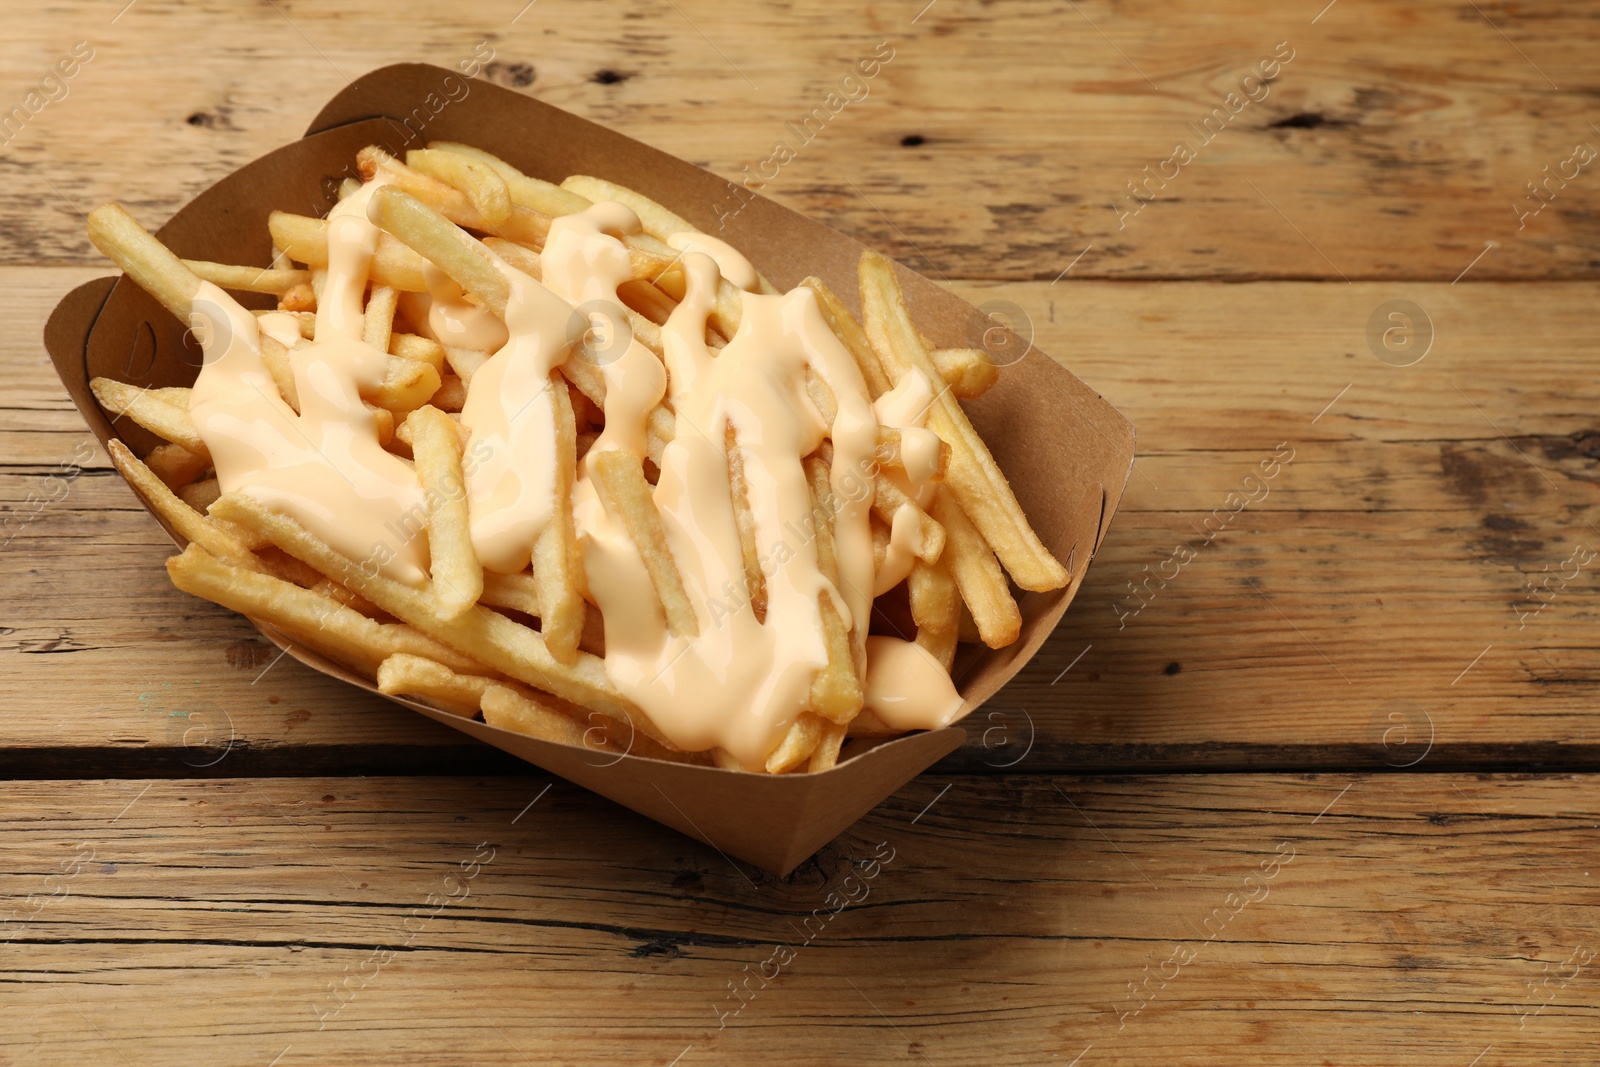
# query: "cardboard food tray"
[1066,450]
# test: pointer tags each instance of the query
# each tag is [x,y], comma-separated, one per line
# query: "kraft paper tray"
[1066,450]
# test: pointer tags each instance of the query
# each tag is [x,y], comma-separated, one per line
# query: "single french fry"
[941,644]
[276,358]
[744,520]
[451,394]
[974,478]
[495,640]
[890,498]
[826,755]
[935,604]
[465,361]
[377,323]
[200,495]
[890,452]
[457,575]
[407,385]
[517,592]
[313,619]
[421,349]
[176,466]
[658,221]
[798,744]
[151,265]
[557,562]
[520,224]
[406,675]
[433,235]
[541,196]
[969,371]
[508,709]
[305,321]
[383,423]
[299,299]
[836,688]
[519,256]
[619,477]
[274,280]
[191,525]
[161,417]
[484,189]
[305,240]
[977,575]
[334,591]
[852,336]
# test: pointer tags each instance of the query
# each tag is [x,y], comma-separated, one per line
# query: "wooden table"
[1328,795]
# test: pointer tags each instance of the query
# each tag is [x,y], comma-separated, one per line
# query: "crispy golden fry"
[457,575]
[421,349]
[306,241]
[542,196]
[889,453]
[436,237]
[200,495]
[176,466]
[517,592]
[482,186]
[406,675]
[402,434]
[619,477]
[407,385]
[977,574]
[891,498]
[935,604]
[324,624]
[306,321]
[248,279]
[299,299]
[495,640]
[465,361]
[799,743]
[147,261]
[974,478]
[557,562]
[941,644]
[520,224]
[658,221]
[160,416]
[852,336]
[451,394]
[826,755]
[836,688]
[383,422]
[334,591]
[377,323]
[968,371]
[508,709]
[755,581]
[276,357]
[220,540]
[521,257]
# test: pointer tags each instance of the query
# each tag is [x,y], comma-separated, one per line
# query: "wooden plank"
[1396,545]
[998,142]
[1420,919]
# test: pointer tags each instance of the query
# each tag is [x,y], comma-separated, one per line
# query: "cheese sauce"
[743,680]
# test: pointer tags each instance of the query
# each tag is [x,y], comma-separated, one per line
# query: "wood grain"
[1412,918]
[998,142]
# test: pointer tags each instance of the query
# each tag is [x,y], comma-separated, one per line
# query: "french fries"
[974,477]
[527,650]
